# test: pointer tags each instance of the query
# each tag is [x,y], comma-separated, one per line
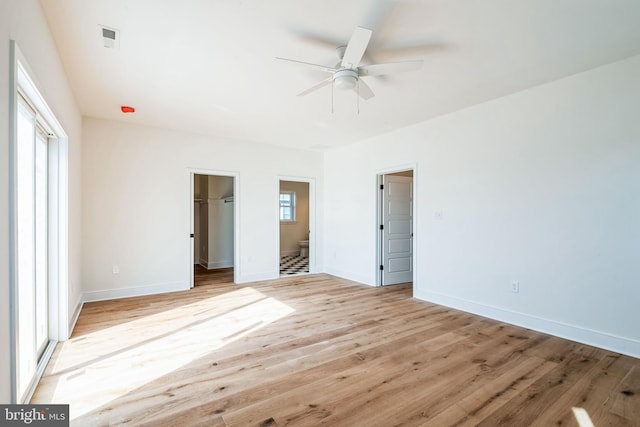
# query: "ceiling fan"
[348,73]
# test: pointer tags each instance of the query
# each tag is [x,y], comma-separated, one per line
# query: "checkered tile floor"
[294,264]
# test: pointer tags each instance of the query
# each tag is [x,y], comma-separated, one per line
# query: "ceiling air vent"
[110,37]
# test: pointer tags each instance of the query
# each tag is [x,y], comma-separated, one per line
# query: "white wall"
[136,202]
[23,21]
[220,187]
[541,187]
[220,253]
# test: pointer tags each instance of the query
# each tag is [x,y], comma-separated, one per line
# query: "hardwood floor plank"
[486,399]
[594,390]
[625,399]
[455,375]
[291,375]
[396,366]
[533,402]
[318,350]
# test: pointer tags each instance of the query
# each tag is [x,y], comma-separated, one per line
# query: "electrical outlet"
[515,286]
[116,269]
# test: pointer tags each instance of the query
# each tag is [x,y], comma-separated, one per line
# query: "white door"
[397,229]
[32,245]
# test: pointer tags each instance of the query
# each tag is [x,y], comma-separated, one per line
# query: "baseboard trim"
[76,314]
[220,264]
[571,332]
[216,264]
[137,291]
[257,277]
[349,276]
[289,253]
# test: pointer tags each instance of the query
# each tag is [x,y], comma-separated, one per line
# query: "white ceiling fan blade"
[356,47]
[364,90]
[309,65]
[317,86]
[390,68]
[317,39]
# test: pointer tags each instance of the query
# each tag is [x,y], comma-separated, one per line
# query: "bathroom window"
[287,206]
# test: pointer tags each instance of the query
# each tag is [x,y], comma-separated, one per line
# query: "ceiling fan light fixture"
[345,79]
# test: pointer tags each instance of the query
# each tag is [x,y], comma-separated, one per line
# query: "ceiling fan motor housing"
[345,78]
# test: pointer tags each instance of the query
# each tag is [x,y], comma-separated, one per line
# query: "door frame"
[236,218]
[312,219]
[379,200]
[60,324]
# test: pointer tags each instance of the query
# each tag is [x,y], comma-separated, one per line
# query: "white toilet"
[304,248]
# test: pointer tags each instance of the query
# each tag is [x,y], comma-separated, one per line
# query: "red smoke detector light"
[126,109]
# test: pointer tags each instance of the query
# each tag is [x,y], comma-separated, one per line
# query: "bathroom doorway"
[295,207]
[213,225]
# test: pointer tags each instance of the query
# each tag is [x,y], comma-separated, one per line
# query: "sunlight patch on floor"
[582,417]
[155,349]
[82,348]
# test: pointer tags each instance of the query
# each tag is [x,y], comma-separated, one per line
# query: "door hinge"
[382,186]
[191,235]
[381,267]
[381,226]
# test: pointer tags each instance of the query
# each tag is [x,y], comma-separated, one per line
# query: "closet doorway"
[213,229]
[295,216]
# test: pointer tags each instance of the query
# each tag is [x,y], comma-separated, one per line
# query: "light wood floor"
[317,350]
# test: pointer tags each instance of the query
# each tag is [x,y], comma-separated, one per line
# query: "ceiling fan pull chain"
[332,85]
[358,97]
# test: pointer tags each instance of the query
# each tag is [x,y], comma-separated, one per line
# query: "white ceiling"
[208,66]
